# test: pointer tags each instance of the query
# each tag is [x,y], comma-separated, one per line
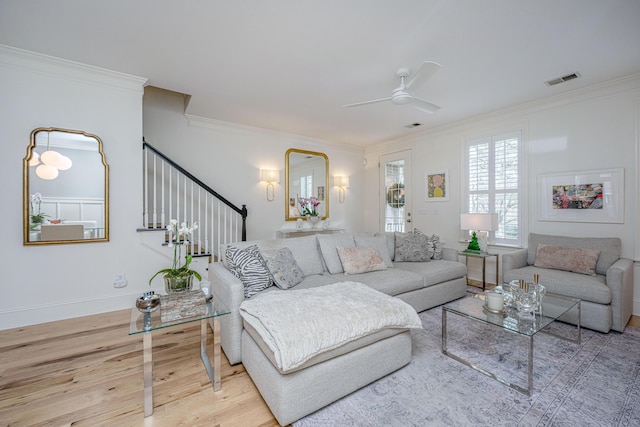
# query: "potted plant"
[36,218]
[309,209]
[178,278]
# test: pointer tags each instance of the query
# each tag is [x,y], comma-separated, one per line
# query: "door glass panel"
[394,210]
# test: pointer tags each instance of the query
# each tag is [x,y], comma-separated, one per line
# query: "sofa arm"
[620,280]
[230,290]
[513,260]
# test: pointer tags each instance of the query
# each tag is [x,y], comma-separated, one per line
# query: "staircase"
[171,192]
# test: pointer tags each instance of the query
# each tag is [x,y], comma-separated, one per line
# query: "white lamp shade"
[47,172]
[479,221]
[341,181]
[64,163]
[269,175]
[51,158]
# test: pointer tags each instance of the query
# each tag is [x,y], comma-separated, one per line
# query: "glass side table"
[146,323]
[483,256]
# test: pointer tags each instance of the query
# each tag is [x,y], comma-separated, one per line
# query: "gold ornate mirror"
[65,188]
[306,179]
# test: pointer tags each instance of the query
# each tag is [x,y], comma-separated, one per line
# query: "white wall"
[585,130]
[229,157]
[51,282]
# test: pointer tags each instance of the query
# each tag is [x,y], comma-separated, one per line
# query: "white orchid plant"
[178,236]
[36,200]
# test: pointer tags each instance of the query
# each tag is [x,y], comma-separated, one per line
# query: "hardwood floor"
[88,372]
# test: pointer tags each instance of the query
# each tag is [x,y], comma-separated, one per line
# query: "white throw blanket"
[300,324]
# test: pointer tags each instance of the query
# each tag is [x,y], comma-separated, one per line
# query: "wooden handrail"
[241,211]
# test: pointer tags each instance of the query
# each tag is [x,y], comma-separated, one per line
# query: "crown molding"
[21,59]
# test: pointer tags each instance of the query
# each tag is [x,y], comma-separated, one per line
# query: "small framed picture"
[321,193]
[436,186]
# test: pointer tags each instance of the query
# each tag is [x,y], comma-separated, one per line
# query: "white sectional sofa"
[421,284]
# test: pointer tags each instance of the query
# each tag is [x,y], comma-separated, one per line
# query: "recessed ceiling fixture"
[413,125]
[562,79]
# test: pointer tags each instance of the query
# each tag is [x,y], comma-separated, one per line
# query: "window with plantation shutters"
[493,183]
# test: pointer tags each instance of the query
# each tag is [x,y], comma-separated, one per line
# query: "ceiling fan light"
[65,163]
[46,172]
[50,158]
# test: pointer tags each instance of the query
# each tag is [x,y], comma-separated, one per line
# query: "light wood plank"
[88,372]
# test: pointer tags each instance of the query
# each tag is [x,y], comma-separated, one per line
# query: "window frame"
[491,191]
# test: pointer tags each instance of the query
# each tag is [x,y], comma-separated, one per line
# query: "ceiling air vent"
[562,79]
[413,125]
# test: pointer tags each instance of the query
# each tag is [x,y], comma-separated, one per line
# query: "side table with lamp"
[481,224]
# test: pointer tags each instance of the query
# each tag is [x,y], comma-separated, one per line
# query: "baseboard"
[52,312]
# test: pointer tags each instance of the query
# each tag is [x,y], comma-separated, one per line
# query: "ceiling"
[291,65]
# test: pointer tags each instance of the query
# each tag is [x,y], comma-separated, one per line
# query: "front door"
[395,189]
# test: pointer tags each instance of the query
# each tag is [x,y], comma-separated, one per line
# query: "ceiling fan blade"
[424,73]
[357,104]
[425,106]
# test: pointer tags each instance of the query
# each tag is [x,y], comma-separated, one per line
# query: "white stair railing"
[171,192]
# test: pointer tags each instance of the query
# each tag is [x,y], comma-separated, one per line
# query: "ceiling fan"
[402,95]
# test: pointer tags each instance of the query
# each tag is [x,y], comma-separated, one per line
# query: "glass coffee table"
[146,323]
[554,308]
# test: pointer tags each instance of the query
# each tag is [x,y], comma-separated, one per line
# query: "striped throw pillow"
[249,267]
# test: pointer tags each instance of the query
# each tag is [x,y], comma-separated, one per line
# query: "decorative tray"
[491,310]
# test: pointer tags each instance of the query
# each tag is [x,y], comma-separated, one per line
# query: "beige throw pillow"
[360,260]
[576,260]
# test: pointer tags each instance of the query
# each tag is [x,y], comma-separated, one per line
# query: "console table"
[146,323]
[285,234]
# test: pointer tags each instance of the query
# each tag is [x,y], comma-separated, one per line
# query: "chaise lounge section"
[322,262]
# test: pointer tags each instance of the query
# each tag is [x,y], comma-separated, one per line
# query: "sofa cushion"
[411,247]
[577,260]
[378,242]
[390,281]
[360,260]
[328,244]
[391,242]
[587,288]
[283,267]
[610,247]
[304,249]
[247,265]
[437,271]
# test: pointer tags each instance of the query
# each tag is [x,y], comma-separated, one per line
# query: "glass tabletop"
[553,307]
[184,311]
[476,254]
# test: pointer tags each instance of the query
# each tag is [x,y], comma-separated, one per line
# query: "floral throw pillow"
[248,266]
[411,247]
[283,268]
[360,260]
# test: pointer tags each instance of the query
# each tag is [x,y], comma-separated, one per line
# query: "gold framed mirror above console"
[65,188]
[306,177]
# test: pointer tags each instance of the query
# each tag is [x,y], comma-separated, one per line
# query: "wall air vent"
[562,79]
[413,125]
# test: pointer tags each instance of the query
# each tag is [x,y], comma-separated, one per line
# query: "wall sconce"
[341,182]
[270,176]
[480,223]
